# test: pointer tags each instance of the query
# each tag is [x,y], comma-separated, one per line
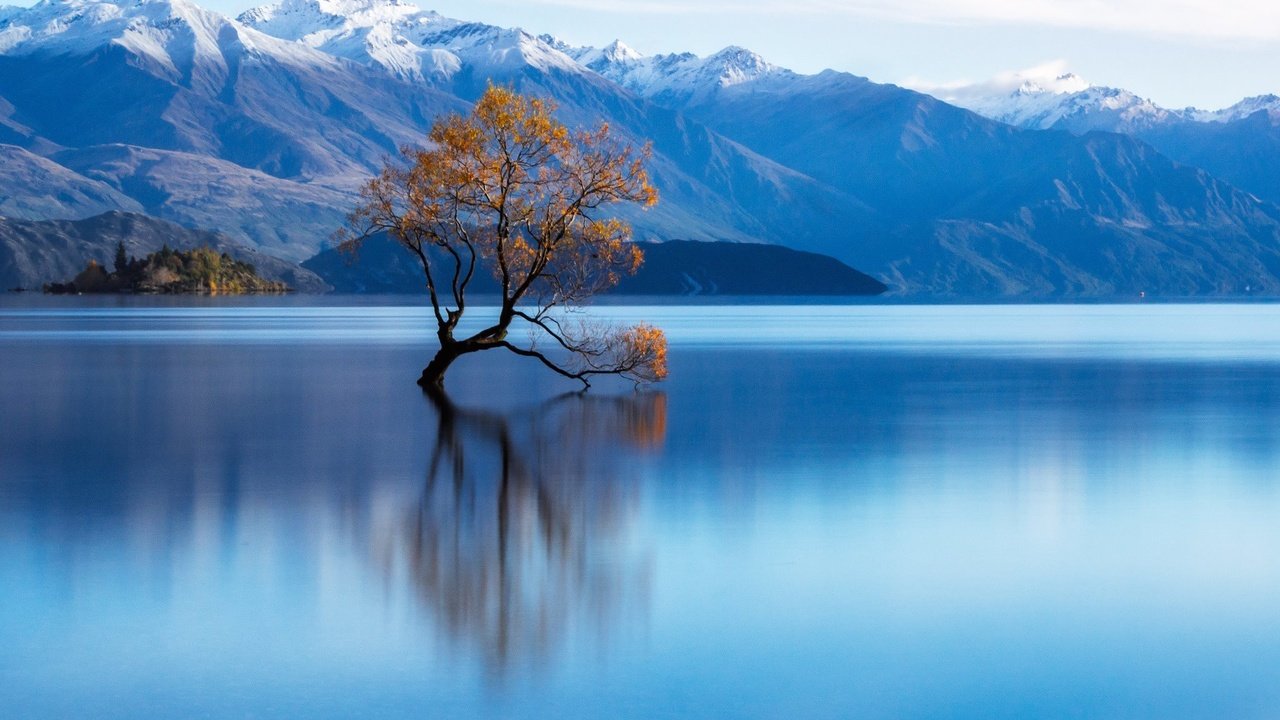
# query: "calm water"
[247,511]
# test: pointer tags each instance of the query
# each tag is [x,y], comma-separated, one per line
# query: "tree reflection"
[519,539]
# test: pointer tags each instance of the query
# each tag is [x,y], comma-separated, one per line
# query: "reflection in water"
[846,529]
[520,532]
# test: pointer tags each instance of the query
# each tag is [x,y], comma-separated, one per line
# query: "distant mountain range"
[1239,144]
[1069,102]
[262,127]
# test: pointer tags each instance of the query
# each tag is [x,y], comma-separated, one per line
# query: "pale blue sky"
[1208,53]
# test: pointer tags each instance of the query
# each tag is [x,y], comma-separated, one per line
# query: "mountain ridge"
[1239,143]
[212,121]
[673,267]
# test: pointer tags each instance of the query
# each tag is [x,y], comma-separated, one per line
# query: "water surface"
[246,509]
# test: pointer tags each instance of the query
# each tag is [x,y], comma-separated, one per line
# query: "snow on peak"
[295,19]
[397,35]
[1048,96]
[1063,84]
[1270,104]
[1006,88]
[614,55]
[739,61]
[385,8]
[684,74]
[1093,108]
[175,38]
[387,33]
[558,44]
[618,51]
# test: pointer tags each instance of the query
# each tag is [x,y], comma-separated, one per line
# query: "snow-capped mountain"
[174,39]
[1269,104]
[615,53]
[712,188]
[209,103]
[1046,99]
[168,74]
[674,78]
[1069,102]
[1240,144]
[264,126]
[362,30]
[419,44]
[1092,108]
[268,138]
[409,42]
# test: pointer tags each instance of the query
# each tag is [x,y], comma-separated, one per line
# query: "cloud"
[1053,76]
[1205,19]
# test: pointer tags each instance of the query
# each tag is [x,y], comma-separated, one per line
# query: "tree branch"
[580,376]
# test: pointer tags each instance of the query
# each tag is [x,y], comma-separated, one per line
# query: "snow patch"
[1048,96]
[400,37]
[1248,107]
[176,35]
[684,75]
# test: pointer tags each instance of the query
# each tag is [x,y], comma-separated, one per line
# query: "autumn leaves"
[509,190]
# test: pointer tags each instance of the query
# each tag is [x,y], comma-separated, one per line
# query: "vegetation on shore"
[175,272]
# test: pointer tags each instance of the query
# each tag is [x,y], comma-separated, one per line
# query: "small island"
[200,271]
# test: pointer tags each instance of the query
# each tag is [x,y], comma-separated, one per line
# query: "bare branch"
[510,189]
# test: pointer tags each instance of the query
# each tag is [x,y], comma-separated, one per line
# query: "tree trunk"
[433,373]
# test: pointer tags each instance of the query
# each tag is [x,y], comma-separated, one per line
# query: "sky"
[1206,53]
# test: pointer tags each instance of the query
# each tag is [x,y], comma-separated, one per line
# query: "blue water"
[247,510]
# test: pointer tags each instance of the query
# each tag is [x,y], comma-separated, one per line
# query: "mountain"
[675,79]
[1239,144]
[1245,151]
[264,126]
[410,43]
[1062,102]
[197,118]
[169,75]
[34,186]
[1069,102]
[674,267]
[33,253]
[711,188]
[160,99]
[977,206]
[682,267]
[281,217]
[1091,109]
[1247,108]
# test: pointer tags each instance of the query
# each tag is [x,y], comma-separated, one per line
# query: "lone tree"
[509,191]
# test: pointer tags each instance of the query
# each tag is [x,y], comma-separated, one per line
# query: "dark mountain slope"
[670,268]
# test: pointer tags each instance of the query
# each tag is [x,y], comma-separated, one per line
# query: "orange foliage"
[509,190]
[646,348]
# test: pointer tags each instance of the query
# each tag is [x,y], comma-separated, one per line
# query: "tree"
[122,258]
[510,191]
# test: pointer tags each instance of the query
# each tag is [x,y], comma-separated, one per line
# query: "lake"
[247,509]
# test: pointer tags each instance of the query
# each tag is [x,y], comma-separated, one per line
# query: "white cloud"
[1053,76]
[1207,19]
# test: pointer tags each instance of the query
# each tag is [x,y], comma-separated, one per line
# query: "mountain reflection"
[518,540]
